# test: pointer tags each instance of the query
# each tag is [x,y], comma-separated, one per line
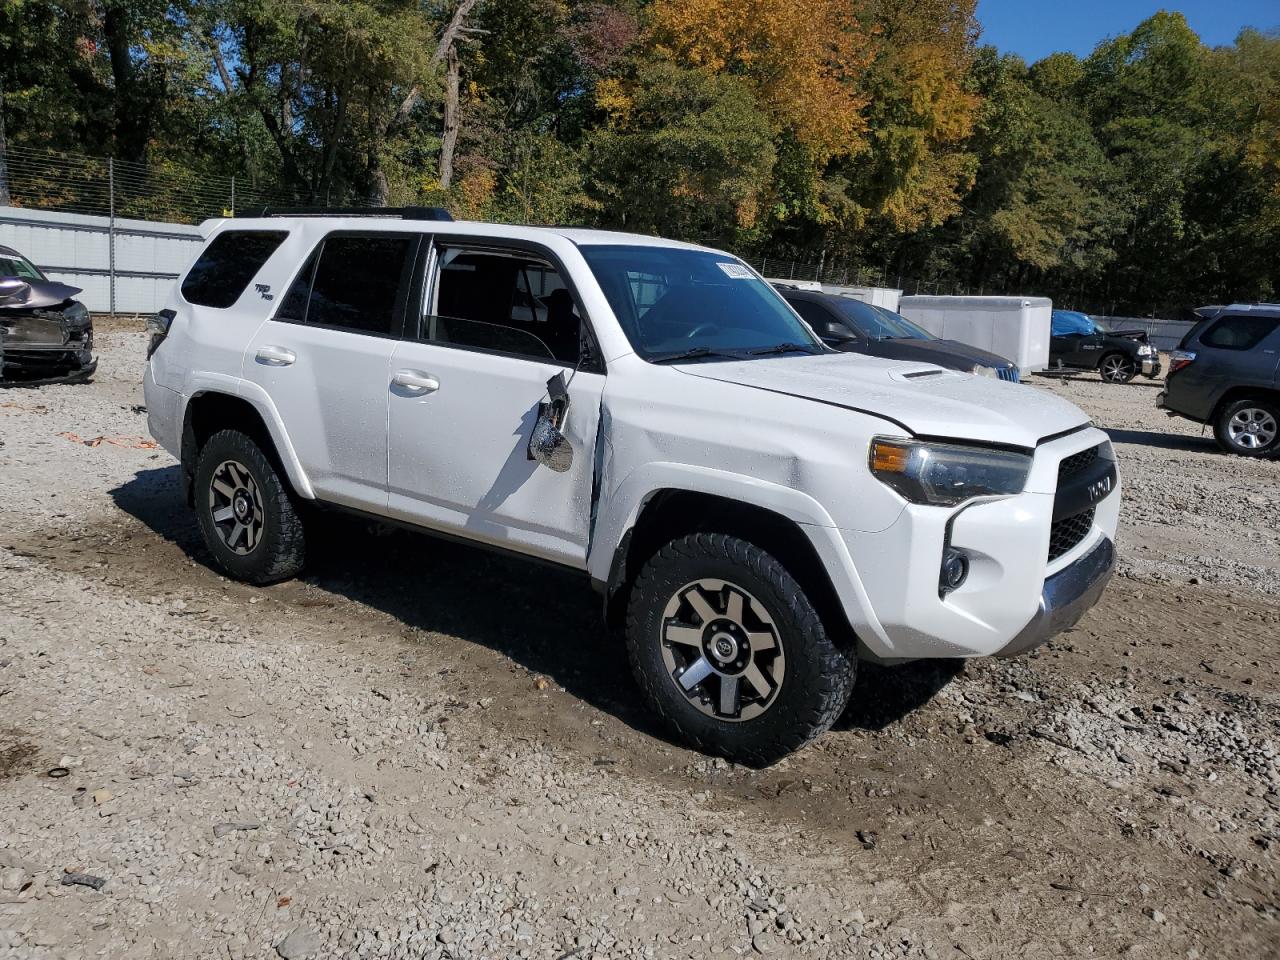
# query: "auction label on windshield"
[735,270]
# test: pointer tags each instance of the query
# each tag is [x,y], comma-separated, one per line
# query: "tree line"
[1142,178]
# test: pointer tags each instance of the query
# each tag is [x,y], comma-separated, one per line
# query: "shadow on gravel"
[884,695]
[1164,441]
[543,618]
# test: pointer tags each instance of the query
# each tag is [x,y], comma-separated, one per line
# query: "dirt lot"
[412,753]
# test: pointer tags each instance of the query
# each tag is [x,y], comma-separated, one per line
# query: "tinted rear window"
[1238,333]
[355,283]
[228,265]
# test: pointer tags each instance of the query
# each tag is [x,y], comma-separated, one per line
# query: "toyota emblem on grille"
[1099,489]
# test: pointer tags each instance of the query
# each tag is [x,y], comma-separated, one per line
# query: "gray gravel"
[411,754]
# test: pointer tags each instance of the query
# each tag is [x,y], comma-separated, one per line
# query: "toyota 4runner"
[757,510]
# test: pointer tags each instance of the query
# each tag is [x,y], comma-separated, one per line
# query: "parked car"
[853,326]
[45,334]
[1226,372]
[1118,355]
[756,510]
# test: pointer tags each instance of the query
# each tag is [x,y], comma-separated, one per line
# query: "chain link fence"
[104,186]
[165,193]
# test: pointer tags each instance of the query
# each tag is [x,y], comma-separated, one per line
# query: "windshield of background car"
[18,267]
[880,323]
[670,301]
[1068,323]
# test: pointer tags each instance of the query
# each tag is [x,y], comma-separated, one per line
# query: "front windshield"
[880,323]
[1068,323]
[671,302]
[11,266]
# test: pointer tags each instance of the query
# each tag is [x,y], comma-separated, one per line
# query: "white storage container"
[1016,328]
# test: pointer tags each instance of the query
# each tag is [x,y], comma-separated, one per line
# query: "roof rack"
[399,213]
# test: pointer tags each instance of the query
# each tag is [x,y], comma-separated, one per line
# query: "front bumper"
[45,346]
[1008,544]
[1066,597]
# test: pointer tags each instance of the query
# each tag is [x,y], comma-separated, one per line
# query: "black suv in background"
[855,327]
[1118,355]
[1224,373]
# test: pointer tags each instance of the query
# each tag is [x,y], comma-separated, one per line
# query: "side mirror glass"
[14,290]
[547,444]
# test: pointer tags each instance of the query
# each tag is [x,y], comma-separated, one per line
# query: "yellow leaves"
[802,59]
[474,191]
[613,99]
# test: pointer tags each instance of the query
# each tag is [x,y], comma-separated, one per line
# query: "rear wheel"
[730,652]
[1249,427]
[246,512]
[1117,368]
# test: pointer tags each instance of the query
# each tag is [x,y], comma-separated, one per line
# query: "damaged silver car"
[45,334]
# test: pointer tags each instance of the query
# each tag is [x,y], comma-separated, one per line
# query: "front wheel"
[729,651]
[1249,427]
[1117,368]
[246,513]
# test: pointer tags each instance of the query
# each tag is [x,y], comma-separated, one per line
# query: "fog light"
[955,570]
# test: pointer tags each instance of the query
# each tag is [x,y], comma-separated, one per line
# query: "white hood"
[927,400]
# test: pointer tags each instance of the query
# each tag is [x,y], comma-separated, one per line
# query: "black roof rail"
[400,213]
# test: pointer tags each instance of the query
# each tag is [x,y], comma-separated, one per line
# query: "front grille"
[1073,464]
[1008,373]
[1067,534]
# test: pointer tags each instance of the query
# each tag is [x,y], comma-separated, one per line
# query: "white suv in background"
[757,511]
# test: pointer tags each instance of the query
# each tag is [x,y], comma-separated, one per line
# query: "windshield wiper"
[694,353]
[783,348]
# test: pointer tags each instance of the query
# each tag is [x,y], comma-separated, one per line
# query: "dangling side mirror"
[547,444]
[14,290]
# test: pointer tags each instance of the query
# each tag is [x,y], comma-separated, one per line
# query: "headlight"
[1146,350]
[984,371]
[76,312]
[944,474]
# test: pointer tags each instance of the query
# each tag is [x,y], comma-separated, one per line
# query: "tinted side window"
[228,264]
[1238,333]
[507,304]
[294,305]
[359,283]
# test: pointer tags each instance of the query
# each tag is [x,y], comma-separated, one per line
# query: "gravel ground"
[411,754]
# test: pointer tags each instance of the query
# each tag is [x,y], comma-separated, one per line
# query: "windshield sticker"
[736,271]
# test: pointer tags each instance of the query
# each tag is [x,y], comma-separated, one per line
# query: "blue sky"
[1036,28]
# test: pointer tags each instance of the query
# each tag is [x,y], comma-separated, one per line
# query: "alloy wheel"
[1116,369]
[722,650]
[236,506]
[1252,428]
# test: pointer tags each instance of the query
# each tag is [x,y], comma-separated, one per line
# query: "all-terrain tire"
[1231,427]
[818,676]
[1117,368]
[279,550]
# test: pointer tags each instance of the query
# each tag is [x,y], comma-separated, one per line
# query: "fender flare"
[204,382]
[622,508]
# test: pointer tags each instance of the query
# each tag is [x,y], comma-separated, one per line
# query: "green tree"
[685,152]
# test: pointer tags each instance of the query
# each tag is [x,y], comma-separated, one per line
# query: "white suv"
[757,511]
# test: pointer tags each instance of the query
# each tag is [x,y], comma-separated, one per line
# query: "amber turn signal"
[889,457]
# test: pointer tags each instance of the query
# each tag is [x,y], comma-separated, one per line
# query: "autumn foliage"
[879,134]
